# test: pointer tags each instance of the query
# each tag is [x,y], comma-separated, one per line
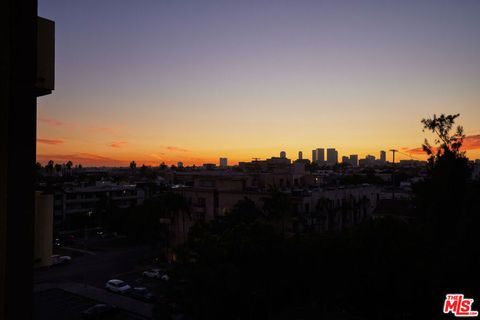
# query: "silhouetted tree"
[49,167]
[445,141]
[58,168]
[448,211]
[133,166]
[440,197]
[278,207]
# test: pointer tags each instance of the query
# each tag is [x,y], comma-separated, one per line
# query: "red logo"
[459,306]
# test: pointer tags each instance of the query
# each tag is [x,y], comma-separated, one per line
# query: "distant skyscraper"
[314,156]
[180,164]
[383,156]
[300,155]
[223,162]
[354,160]
[332,156]
[283,154]
[320,155]
[369,160]
[345,159]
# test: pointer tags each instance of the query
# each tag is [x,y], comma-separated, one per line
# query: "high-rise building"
[383,156]
[345,159]
[354,160]
[223,162]
[283,154]
[369,160]
[320,155]
[332,156]
[300,155]
[180,164]
[314,156]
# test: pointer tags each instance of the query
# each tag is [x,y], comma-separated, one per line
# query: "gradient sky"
[191,81]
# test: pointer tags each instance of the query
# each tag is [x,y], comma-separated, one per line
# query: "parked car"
[64,240]
[58,242]
[142,293]
[156,273]
[58,259]
[98,311]
[117,286]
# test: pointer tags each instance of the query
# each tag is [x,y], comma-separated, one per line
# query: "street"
[94,269]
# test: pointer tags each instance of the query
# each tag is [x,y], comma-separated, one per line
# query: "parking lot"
[68,289]
[159,288]
[59,304]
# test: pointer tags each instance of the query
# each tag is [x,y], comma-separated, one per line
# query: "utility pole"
[393,172]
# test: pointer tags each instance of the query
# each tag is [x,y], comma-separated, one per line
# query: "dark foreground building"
[23,78]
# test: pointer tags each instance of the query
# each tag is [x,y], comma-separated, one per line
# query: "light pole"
[393,172]
[88,215]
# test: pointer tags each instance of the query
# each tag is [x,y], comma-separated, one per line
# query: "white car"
[58,259]
[118,286]
[156,273]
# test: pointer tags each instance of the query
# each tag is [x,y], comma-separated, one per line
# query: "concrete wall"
[43,230]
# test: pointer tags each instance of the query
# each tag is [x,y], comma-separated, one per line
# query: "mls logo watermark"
[459,306]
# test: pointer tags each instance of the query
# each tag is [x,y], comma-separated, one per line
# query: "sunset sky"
[167,81]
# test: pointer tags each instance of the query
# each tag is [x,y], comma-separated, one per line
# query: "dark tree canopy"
[445,142]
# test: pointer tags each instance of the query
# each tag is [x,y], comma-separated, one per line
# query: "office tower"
[332,156]
[180,164]
[345,159]
[283,154]
[300,155]
[383,156]
[369,160]
[223,162]
[320,155]
[354,160]
[314,156]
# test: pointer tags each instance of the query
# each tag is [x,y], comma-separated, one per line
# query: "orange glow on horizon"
[101,160]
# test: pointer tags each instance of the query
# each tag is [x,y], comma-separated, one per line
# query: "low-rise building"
[72,202]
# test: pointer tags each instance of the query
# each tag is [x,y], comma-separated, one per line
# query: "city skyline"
[223,161]
[192,82]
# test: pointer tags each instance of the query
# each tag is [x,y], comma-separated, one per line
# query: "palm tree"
[69,166]
[133,166]
[58,168]
[49,166]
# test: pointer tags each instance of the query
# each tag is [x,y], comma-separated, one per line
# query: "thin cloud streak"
[176,149]
[51,121]
[118,144]
[109,130]
[471,142]
[82,158]
[50,141]
[90,128]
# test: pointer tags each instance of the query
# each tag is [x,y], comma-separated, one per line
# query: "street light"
[88,215]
